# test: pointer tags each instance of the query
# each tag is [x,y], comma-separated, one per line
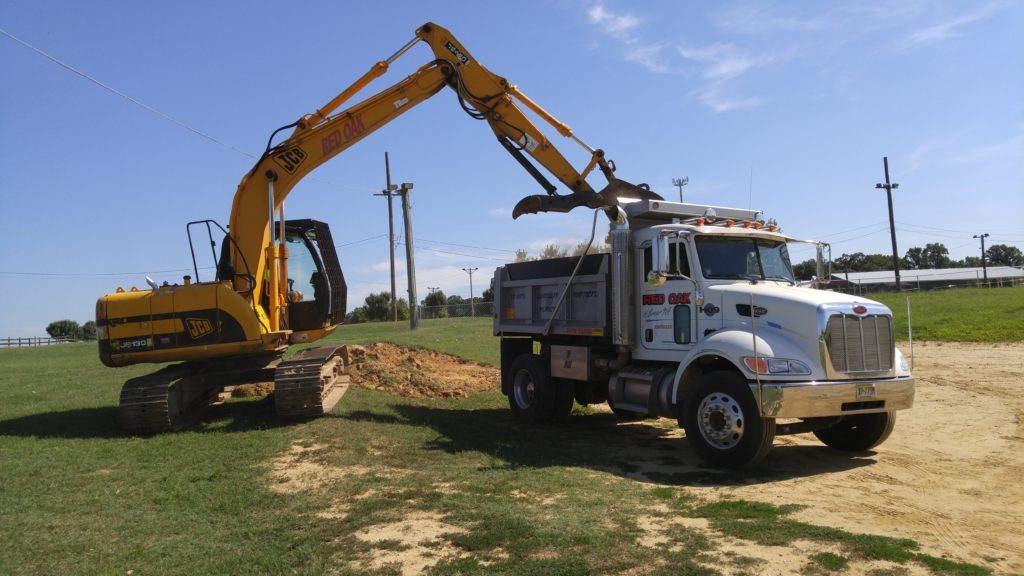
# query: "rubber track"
[311,382]
[144,405]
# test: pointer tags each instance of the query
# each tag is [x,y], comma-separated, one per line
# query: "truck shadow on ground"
[101,422]
[652,451]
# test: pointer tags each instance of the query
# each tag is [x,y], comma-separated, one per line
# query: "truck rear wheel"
[532,393]
[722,421]
[859,432]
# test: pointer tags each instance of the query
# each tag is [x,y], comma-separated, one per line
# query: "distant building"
[885,280]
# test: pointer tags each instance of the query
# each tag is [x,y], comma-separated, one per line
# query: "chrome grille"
[860,343]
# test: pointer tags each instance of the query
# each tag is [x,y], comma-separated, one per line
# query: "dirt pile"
[418,373]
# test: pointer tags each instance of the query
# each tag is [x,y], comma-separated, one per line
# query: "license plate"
[865,391]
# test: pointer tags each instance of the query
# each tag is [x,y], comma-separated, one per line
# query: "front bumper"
[833,398]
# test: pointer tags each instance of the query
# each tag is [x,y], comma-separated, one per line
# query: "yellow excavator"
[278,281]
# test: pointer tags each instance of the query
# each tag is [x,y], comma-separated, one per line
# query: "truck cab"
[696,315]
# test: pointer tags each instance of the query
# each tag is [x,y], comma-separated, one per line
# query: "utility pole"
[414,316]
[984,266]
[391,235]
[680,182]
[472,312]
[889,187]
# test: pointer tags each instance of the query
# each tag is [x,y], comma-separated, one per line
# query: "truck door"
[667,318]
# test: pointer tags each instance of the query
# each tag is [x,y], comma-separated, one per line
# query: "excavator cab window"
[316,287]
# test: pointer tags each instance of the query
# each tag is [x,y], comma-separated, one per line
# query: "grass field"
[78,497]
[960,315]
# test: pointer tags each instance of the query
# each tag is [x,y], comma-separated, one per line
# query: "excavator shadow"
[653,451]
[101,421]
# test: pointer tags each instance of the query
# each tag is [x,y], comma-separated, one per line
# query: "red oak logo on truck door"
[673,298]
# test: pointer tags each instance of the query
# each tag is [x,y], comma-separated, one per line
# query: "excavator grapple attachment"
[606,198]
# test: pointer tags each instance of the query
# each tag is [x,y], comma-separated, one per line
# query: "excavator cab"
[316,294]
[316,286]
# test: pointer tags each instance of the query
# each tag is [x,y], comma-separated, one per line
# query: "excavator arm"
[225,334]
[319,136]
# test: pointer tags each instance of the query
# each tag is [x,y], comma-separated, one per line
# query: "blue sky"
[787,107]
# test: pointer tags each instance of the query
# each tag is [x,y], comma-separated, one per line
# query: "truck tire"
[858,433]
[722,421]
[532,393]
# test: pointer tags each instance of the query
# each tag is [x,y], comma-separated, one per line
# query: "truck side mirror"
[659,261]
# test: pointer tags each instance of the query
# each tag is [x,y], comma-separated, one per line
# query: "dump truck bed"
[527,294]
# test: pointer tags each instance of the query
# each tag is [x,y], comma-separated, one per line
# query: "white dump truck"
[696,315]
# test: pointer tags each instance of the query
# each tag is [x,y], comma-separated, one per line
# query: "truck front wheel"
[532,393]
[722,421]
[858,433]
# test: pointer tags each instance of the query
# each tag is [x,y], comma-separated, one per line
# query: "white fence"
[32,341]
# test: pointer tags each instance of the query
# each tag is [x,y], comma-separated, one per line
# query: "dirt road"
[951,476]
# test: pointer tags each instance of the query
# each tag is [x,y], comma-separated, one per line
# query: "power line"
[878,231]
[840,233]
[1009,230]
[117,92]
[439,251]
[147,107]
[94,274]
[362,241]
[466,246]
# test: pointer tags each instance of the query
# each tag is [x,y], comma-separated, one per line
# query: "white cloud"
[948,28]
[724,63]
[622,26]
[720,64]
[616,25]
[648,56]
[713,98]
[1010,148]
[760,20]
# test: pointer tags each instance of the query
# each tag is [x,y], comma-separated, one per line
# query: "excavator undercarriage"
[306,385]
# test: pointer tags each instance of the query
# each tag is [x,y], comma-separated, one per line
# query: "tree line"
[932,256]
[377,307]
[71,330]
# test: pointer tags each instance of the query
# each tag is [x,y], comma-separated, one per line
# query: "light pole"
[472,312]
[889,187]
[984,266]
[680,182]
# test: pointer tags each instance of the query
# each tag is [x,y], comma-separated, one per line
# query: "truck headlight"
[763,365]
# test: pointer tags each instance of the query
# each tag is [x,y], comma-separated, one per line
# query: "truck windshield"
[744,258]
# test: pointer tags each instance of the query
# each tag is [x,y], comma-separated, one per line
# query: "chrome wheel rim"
[523,388]
[721,421]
